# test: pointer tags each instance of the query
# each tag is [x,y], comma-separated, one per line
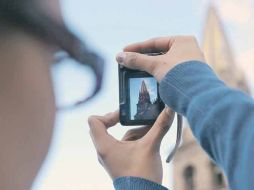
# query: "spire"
[144,96]
[213,2]
[215,43]
[143,88]
[218,52]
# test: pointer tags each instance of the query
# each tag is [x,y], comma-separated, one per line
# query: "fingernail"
[120,58]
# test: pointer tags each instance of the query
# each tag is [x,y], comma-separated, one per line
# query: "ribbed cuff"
[136,183]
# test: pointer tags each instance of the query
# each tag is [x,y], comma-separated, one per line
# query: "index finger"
[155,45]
[160,128]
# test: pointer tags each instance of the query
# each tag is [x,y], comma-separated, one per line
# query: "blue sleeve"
[221,118]
[136,183]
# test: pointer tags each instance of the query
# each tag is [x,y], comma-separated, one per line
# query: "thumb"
[160,128]
[137,61]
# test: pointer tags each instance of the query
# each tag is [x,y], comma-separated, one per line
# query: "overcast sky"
[108,26]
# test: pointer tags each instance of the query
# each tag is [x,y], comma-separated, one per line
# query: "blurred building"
[192,168]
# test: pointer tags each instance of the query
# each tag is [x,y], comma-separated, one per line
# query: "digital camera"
[139,98]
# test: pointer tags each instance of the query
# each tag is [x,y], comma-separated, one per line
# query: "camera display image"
[144,101]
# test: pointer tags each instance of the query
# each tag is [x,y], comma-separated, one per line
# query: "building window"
[188,175]
[218,177]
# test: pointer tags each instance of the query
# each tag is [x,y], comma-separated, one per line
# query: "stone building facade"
[192,168]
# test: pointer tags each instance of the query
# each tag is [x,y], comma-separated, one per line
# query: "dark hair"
[27,15]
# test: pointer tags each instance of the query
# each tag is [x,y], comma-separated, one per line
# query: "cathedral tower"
[144,96]
[192,168]
[144,103]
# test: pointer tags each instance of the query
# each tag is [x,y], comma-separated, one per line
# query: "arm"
[221,118]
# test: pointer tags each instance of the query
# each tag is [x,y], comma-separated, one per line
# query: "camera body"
[139,99]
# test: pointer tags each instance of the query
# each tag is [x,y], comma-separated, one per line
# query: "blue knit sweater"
[221,118]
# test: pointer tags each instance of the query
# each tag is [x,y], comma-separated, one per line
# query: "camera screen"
[144,101]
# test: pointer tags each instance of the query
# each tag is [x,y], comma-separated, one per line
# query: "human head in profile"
[32,32]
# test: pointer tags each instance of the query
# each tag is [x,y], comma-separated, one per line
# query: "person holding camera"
[221,118]
[32,31]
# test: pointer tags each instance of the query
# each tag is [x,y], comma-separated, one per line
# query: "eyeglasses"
[27,16]
[74,80]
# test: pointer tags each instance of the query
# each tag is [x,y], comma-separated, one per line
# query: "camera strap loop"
[178,137]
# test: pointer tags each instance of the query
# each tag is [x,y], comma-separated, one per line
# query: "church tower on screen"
[192,168]
[146,108]
[144,103]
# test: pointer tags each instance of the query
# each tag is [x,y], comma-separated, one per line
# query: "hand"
[137,154]
[177,50]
